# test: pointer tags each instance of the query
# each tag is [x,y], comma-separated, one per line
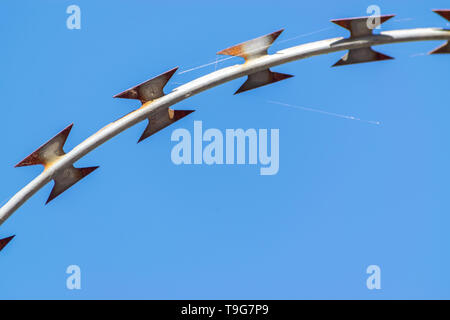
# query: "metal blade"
[161,120]
[149,90]
[262,78]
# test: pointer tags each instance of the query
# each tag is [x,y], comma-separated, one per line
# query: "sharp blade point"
[4,242]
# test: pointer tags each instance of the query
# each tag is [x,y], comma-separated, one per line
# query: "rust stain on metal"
[4,242]
[254,48]
[445,48]
[149,90]
[49,152]
[176,115]
[162,119]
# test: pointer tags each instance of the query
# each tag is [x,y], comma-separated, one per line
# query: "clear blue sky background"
[349,194]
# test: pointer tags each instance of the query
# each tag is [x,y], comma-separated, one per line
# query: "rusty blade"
[163,119]
[445,13]
[445,48]
[48,152]
[360,56]
[149,90]
[254,48]
[359,27]
[262,78]
[4,242]
[67,178]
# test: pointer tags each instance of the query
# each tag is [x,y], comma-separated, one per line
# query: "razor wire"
[58,165]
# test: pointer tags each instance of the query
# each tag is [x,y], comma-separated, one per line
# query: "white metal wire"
[209,81]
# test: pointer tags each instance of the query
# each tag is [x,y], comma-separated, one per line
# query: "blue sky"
[349,194]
